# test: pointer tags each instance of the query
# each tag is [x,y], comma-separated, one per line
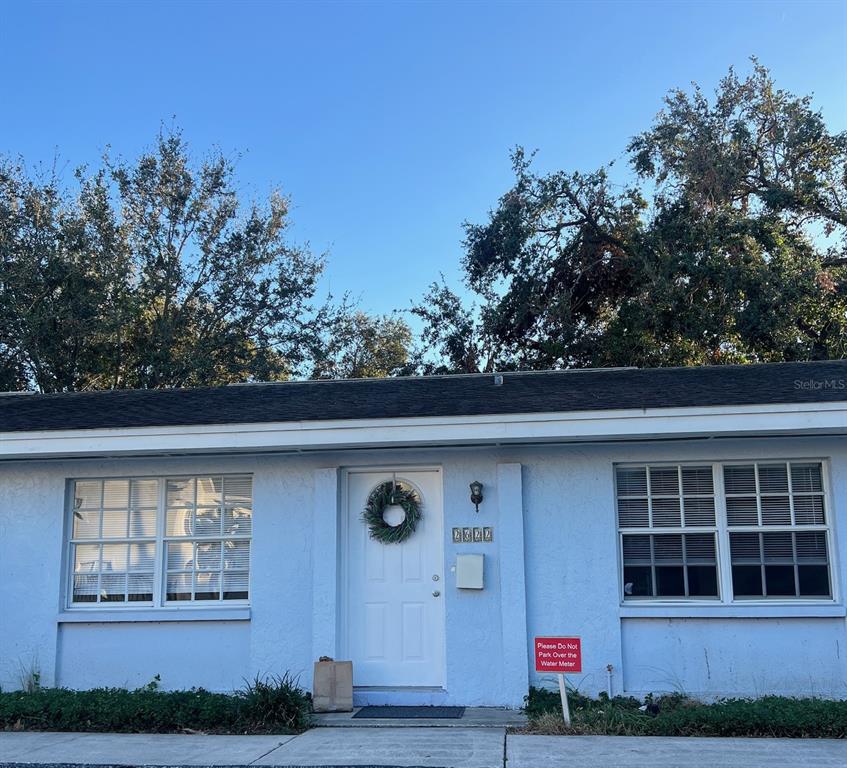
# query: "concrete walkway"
[421,747]
[693,752]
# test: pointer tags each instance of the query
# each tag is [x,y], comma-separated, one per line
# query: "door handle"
[436,593]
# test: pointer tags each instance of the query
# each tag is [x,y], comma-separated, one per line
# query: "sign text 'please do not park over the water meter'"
[562,655]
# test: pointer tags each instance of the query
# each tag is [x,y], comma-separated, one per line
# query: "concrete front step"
[473,717]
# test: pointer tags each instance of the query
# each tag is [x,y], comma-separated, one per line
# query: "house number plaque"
[471,535]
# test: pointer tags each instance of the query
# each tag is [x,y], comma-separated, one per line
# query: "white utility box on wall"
[469,569]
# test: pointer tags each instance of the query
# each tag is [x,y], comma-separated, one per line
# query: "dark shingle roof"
[473,395]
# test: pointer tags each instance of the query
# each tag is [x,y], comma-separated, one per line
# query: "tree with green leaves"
[727,246]
[365,346]
[153,273]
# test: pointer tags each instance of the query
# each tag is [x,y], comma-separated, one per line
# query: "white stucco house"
[689,525]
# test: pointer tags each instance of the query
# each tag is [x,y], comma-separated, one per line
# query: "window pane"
[806,478]
[702,581]
[745,547]
[808,510]
[670,581]
[811,547]
[636,549]
[179,586]
[238,521]
[115,523]
[114,557]
[238,490]
[776,510]
[207,586]
[87,494]
[87,558]
[780,580]
[209,491]
[666,513]
[180,556]
[700,548]
[180,492]
[668,548]
[144,493]
[699,511]
[632,482]
[814,580]
[664,481]
[86,524]
[237,555]
[115,494]
[208,556]
[697,480]
[180,522]
[208,522]
[747,580]
[235,585]
[142,557]
[113,588]
[740,479]
[742,510]
[85,589]
[778,547]
[637,581]
[773,478]
[140,587]
[142,523]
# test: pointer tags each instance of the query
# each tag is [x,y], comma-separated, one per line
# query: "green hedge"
[272,705]
[677,715]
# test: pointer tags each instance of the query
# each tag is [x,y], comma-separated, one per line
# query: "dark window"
[783,551]
[660,509]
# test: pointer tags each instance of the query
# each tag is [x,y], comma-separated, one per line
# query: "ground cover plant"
[274,704]
[679,715]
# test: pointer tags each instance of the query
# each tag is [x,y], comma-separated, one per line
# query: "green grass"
[678,715]
[264,705]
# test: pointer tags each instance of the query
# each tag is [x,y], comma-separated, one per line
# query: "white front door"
[394,606]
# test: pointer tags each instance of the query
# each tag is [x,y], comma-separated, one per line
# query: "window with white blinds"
[160,541]
[678,556]
[766,523]
[776,517]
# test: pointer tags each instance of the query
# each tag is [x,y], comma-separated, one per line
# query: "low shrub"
[264,705]
[678,715]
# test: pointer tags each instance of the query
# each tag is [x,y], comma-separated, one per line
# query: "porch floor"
[473,717]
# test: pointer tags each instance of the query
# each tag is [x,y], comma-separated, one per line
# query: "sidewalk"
[420,747]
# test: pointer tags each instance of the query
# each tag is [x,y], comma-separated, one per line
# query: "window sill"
[89,616]
[733,611]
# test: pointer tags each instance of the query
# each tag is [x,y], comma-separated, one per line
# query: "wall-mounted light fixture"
[476,494]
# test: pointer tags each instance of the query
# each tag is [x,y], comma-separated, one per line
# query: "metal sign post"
[566,712]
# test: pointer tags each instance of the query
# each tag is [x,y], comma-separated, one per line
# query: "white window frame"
[665,530]
[159,602]
[726,597]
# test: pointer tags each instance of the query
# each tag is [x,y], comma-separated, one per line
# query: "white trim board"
[634,424]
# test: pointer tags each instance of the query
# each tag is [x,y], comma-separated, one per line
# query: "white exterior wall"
[551,569]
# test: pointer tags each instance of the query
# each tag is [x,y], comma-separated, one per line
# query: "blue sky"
[388,124]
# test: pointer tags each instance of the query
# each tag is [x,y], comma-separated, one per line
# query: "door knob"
[436,593]
[435,577]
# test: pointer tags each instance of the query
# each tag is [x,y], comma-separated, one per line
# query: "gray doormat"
[410,713]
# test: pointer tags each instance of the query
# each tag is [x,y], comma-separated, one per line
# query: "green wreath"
[386,495]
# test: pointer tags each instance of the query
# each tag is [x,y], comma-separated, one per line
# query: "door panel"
[394,622]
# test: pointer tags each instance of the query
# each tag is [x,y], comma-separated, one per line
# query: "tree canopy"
[153,273]
[727,245]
